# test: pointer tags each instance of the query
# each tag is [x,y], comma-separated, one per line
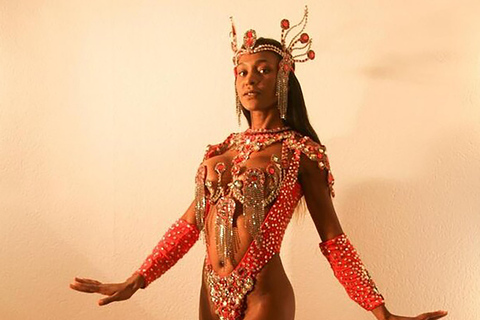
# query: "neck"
[265,119]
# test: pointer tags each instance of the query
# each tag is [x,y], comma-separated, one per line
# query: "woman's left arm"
[344,259]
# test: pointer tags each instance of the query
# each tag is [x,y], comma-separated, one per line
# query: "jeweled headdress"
[297,50]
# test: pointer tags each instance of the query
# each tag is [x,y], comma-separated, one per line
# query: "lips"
[252,93]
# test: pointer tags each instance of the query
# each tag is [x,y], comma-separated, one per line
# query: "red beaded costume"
[275,186]
[228,292]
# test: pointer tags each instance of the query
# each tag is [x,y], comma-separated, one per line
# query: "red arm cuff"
[350,271]
[176,242]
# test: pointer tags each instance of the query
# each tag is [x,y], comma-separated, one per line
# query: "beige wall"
[106,108]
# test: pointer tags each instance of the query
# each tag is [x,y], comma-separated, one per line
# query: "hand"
[114,291]
[381,313]
[424,316]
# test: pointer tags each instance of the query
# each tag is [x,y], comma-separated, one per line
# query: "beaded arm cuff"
[350,271]
[176,242]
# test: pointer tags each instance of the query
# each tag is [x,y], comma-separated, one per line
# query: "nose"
[251,78]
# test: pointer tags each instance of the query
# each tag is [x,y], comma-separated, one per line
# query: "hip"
[270,297]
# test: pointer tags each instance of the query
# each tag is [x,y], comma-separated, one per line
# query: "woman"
[247,188]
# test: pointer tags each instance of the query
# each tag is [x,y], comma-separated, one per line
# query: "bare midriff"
[243,276]
[244,237]
[272,296]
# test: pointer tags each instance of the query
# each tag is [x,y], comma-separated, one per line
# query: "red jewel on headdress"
[311,54]
[285,24]
[286,67]
[249,41]
[304,38]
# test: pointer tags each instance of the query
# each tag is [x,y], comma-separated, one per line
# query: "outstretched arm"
[344,260]
[176,242]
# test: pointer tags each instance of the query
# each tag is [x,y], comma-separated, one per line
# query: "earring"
[238,108]
[282,88]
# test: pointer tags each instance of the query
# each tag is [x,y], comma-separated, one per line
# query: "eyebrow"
[256,61]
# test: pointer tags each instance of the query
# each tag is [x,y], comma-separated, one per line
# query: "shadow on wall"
[420,233]
[415,235]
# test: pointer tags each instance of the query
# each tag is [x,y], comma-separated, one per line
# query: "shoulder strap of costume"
[216,149]
[315,152]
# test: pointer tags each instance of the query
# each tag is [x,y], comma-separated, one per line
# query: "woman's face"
[255,81]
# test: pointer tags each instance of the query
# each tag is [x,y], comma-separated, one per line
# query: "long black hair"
[297,117]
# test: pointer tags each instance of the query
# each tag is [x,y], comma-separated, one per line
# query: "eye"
[242,73]
[264,70]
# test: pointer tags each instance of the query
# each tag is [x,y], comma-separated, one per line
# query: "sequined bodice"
[222,178]
[227,185]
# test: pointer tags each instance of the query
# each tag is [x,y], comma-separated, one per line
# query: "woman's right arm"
[177,241]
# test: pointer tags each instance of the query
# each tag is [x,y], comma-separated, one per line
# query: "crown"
[297,50]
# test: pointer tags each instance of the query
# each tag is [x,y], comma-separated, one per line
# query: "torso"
[270,296]
[258,160]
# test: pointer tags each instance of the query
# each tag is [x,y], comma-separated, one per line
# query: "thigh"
[271,309]
[206,310]
[273,296]
[277,304]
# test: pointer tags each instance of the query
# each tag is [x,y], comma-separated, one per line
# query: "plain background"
[106,108]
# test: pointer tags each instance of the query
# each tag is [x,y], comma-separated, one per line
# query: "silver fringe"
[224,235]
[238,106]
[253,207]
[282,88]
[200,199]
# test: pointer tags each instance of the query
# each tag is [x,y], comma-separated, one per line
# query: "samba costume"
[267,195]
[255,188]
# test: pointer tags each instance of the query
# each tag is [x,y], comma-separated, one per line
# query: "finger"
[108,299]
[91,281]
[433,315]
[84,287]
[438,315]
